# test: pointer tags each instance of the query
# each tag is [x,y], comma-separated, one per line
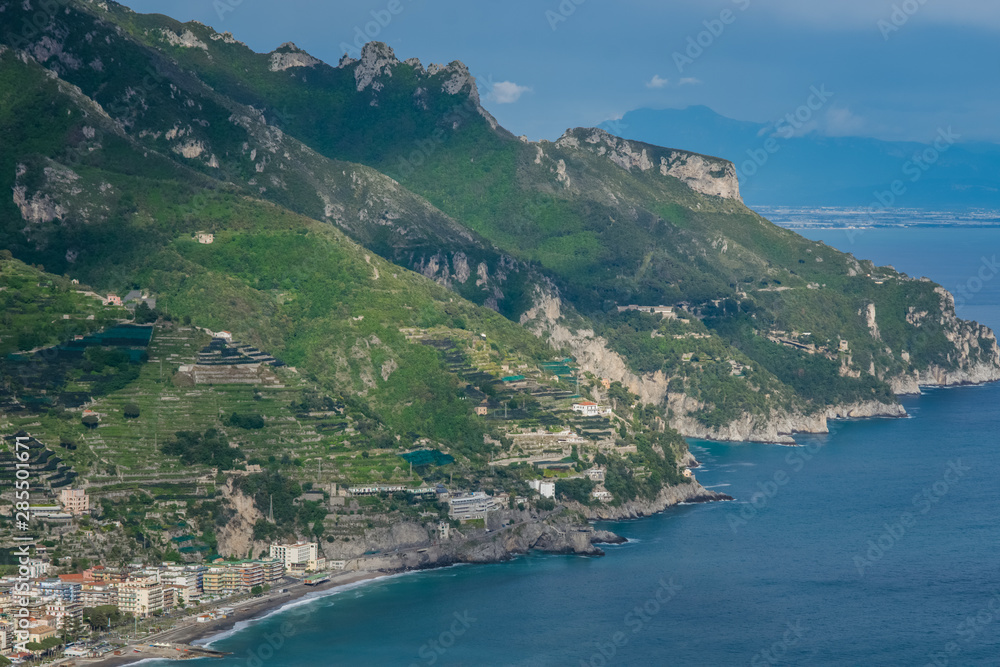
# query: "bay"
[875,544]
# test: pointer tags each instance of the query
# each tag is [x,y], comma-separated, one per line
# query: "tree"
[246,420]
[256,590]
[144,314]
[72,629]
[98,617]
[131,411]
[91,421]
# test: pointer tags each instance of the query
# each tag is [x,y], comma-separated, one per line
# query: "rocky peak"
[457,79]
[289,55]
[415,64]
[377,59]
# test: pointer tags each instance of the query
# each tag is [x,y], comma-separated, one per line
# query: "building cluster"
[667,312]
[55,604]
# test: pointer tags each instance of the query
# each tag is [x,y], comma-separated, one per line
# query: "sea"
[875,544]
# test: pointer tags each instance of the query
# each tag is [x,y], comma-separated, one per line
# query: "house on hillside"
[112,300]
[135,297]
[205,237]
[601,494]
[590,409]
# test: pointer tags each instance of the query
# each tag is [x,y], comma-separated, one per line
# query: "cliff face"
[777,427]
[562,532]
[703,174]
[669,496]
[975,359]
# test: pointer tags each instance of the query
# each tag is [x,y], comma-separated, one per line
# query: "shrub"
[246,421]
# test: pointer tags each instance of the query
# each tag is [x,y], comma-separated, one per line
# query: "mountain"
[372,226]
[779,166]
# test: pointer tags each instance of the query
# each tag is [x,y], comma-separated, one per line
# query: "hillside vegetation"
[429,282]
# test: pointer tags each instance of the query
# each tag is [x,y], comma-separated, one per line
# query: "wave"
[308,598]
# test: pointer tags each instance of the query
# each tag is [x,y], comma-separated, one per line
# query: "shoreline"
[203,635]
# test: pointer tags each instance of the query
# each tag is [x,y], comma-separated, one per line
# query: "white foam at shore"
[308,598]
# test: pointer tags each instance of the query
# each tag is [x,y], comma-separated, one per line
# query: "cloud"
[657,82]
[507,92]
[841,122]
[688,81]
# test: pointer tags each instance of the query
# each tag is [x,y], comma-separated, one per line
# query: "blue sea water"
[873,545]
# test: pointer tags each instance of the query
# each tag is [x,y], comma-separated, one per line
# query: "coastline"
[189,632]
[193,633]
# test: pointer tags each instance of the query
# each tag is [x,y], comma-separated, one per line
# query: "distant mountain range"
[776,168]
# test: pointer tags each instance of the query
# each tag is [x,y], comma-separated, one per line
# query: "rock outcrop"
[703,174]
[288,55]
[692,492]
[545,318]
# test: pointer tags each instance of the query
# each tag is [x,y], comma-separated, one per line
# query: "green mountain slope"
[780,332]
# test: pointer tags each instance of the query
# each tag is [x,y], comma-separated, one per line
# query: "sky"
[894,69]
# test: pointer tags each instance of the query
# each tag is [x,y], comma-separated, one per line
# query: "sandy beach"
[188,631]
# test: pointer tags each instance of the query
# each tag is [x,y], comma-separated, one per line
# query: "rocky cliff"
[975,359]
[703,174]
[562,532]
[692,492]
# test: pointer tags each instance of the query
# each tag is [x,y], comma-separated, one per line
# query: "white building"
[601,494]
[544,488]
[299,556]
[590,409]
[140,596]
[474,505]
[63,610]
[186,580]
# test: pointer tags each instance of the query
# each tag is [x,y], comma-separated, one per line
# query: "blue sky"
[897,69]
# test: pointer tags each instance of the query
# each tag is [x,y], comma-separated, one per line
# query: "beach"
[192,635]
